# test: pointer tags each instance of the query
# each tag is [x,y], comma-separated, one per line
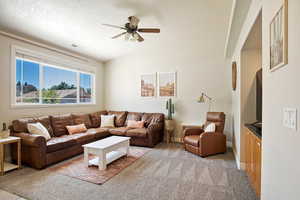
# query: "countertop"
[254,129]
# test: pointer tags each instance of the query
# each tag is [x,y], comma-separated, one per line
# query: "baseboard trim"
[177,139]
[229,144]
[237,160]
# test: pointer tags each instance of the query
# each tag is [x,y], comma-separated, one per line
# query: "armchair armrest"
[31,140]
[212,143]
[192,131]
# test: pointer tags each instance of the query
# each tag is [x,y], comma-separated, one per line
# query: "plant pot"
[169,124]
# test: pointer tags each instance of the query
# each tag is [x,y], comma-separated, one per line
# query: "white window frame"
[64,63]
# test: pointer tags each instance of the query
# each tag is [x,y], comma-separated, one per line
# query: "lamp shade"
[201,99]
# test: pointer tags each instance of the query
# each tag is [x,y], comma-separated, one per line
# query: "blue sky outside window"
[58,86]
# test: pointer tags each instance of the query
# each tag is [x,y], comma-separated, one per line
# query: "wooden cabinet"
[253,160]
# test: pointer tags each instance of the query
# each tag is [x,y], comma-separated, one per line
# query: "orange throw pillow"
[76,129]
[135,124]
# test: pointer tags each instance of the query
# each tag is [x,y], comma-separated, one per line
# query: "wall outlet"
[290,118]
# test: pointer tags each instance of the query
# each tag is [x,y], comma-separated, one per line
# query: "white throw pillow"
[38,129]
[210,128]
[107,121]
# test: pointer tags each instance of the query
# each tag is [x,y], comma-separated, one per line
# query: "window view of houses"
[59,86]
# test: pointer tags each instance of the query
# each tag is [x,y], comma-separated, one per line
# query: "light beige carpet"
[166,172]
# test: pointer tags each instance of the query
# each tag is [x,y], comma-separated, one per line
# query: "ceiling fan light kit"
[132,32]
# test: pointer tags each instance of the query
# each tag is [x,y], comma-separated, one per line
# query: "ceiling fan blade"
[134,21]
[149,30]
[114,26]
[119,35]
[140,38]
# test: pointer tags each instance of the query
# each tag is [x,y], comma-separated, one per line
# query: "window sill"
[24,106]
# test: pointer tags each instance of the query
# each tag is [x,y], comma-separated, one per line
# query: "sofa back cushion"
[46,122]
[96,118]
[20,125]
[135,116]
[59,124]
[82,119]
[157,118]
[150,118]
[120,117]
[218,118]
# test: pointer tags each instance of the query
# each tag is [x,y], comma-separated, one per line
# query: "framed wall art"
[148,85]
[167,84]
[279,38]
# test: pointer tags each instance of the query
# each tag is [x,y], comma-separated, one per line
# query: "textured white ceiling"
[64,22]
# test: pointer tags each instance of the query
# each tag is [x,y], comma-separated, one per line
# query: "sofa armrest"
[33,150]
[212,143]
[32,140]
[192,131]
[155,133]
[155,127]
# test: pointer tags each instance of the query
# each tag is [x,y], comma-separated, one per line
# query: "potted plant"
[169,123]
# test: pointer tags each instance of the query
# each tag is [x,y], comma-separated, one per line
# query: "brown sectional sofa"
[39,153]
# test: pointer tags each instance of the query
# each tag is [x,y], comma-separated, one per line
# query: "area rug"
[77,169]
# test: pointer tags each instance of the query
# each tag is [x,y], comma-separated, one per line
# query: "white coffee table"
[107,150]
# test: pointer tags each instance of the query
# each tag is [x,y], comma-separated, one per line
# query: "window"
[38,83]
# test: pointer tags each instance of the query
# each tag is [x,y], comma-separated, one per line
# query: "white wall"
[280,145]
[193,45]
[7,113]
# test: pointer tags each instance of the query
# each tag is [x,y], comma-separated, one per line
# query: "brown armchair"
[202,143]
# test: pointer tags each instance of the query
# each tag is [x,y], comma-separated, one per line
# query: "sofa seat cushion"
[138,132]
[119,131]
[58,143]
[192,140]
[98,133]
[82,138]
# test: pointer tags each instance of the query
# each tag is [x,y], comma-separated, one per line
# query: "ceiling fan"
[132,31]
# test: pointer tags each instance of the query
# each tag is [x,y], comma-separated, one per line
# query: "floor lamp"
[202,99]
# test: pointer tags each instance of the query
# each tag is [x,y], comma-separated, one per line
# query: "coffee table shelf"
[110,157]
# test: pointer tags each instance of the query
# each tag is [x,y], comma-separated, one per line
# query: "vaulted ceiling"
[66,22]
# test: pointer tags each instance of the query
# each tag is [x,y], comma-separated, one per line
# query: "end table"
[6,166]
[169,129]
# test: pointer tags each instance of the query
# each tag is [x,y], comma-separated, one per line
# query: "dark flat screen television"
[259,97]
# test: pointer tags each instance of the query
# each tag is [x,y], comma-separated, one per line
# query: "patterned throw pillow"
[210,128]
[107,121]
[38,129]
[135,124]
[80,128]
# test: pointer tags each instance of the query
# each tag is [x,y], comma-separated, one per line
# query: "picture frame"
[167,84]
[148,85]
[279,38]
